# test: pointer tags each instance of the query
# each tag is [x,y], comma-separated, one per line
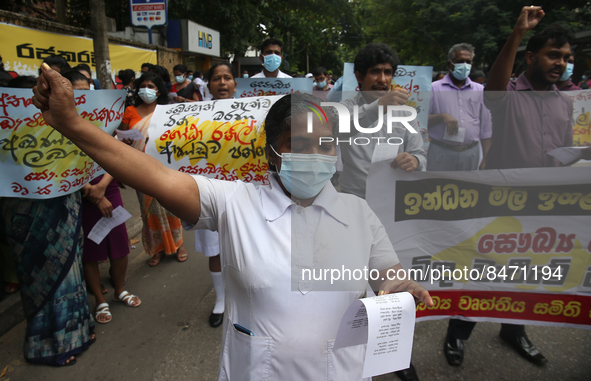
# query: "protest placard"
[509,246]
[220,139]
[415,79]
[37,161]
[581,115]
[258,87]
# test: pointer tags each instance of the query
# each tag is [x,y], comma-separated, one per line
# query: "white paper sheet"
[132,134]
[386,323]
[567,155]
[385,151]
[105,225]
[459,137]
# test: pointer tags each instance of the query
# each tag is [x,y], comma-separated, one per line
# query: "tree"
[422,31]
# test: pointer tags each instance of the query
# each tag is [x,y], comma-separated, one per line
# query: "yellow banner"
[23,50]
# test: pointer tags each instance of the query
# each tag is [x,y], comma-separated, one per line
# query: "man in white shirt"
[271,59]
[375,66]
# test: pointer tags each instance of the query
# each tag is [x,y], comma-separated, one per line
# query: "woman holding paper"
[162,231]
[274,328]
[184,88]
[99,197]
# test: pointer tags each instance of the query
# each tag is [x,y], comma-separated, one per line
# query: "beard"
[537,75]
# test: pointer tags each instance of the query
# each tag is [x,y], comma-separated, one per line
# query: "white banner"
[37,161]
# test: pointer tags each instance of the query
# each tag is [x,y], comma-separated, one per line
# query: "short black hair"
[180,67]
[58,61]
[84,67]
[375,54]
[161,72]
[148,65]
[155,79]
[212,70]
[75,76]
[126,76]
[23,82]
[319,70]
[555,34]
[271,41]
[278,120]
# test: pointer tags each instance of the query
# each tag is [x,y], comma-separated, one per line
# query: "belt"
[457,148]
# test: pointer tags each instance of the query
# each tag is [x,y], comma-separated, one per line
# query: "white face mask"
[147,95]
[461,71]
[305,175]
[568,72]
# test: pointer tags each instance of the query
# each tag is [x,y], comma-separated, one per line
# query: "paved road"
[168,337]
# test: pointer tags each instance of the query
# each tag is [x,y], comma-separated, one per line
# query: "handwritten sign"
[258,87]
[220,139]
[415,79]
[581,115]
[509,246]
[37,161]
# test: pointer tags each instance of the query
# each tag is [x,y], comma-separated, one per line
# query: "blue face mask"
[179,79]
[190,78]
[147,95]
[461,71]
[321,85]
[568,72]
[244,75]
[305,175]
[272,62]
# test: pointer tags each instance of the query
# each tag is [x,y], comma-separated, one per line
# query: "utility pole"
[98,22]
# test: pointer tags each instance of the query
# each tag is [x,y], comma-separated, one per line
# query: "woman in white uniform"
[266,238]
[222,85]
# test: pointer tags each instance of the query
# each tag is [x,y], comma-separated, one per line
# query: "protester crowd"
[487,134]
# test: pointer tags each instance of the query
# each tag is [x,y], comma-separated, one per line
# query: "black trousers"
[461,329]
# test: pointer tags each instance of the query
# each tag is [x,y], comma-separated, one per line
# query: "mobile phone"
[240,328]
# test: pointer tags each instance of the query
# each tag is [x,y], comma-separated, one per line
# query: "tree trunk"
[98,21]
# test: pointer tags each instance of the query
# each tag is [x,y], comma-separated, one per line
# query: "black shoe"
[454,351]
[409,374]
[525,348]
[215,320]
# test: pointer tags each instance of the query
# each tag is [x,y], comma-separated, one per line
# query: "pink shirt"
[528,124]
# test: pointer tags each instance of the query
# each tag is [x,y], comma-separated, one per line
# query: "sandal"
[127,298]
[181,254]
[156,258]
[68,362]
[103,309]
[11,287]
